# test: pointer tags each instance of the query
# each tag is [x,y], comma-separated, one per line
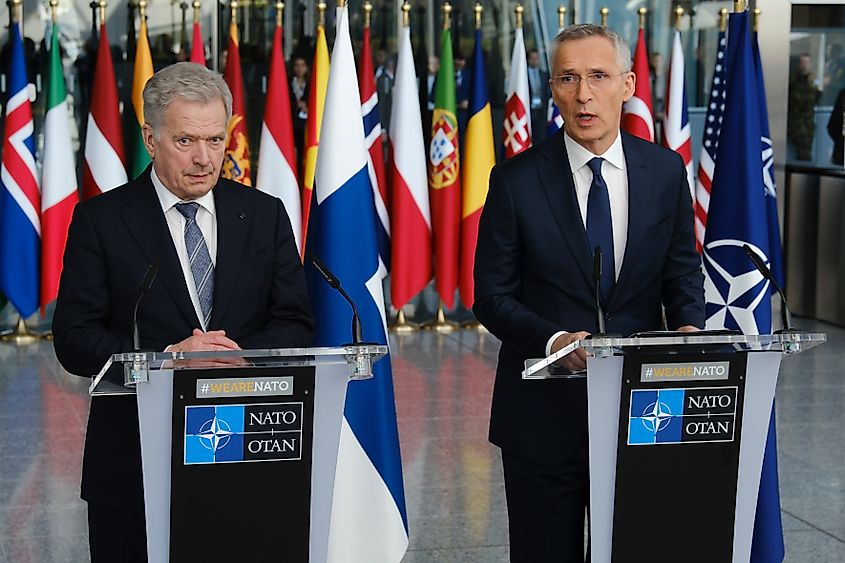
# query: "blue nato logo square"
[214,434]
[656,416]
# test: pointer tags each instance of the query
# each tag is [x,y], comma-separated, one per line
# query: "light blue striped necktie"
[201,266]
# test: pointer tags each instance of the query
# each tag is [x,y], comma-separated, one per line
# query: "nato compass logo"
[678,416]
[214,434]
[655,416]
[733,288]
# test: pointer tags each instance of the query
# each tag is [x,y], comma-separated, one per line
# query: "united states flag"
[712,126]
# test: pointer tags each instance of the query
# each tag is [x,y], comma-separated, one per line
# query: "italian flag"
[58,186]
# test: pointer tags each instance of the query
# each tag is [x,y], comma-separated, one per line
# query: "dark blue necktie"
[202,267]
[600,228]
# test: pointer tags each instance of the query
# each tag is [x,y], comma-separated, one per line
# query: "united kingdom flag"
[712,127]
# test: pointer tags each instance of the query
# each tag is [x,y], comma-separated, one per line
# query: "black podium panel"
[241,465]
[677,457]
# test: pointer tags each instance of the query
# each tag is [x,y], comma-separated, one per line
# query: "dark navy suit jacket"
[260,300]
[533,277]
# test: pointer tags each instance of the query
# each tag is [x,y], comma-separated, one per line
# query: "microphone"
[785,314]
[146,283]
[357,330]
[597,286]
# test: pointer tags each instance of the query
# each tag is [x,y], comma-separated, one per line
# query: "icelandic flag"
[554,120]
[737,296]
[368,519]
[20,198]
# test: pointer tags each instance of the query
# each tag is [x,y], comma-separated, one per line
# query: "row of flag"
[733,193]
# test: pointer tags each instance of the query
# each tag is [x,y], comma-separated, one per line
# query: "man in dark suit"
[538,87]
[547,208]
[229,277]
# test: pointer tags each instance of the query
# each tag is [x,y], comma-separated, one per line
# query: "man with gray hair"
[229,277]
[549,209]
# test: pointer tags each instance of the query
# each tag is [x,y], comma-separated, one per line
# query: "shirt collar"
[579,156]
[168,199]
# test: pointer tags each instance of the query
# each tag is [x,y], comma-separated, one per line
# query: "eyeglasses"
[595,80]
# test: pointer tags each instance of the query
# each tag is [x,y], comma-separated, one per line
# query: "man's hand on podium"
[574,361]
[201,341]
[688,328]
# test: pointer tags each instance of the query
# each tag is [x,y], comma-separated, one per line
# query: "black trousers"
[546,509]
[116,536]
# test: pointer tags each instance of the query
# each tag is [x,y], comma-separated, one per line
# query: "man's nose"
[202,155]
[583,92]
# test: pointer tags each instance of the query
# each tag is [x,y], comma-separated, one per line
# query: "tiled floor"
[453,478]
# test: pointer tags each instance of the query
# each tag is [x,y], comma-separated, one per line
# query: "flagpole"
[642,12]
[604,12]
[561,17]
[679,14]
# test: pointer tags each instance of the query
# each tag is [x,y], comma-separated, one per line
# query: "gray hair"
[585,30]
[189,81]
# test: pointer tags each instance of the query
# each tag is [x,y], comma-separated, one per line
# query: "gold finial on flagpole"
[561,17]
[341,3]
[604,12]
[368,11]
[642,12]
[679,14]
[447,15]
[142,11]
[406,14]
[280,13]
[757,12]
[54,6]
[102,7]
[196,6]
[234,6]
[16,8]
[723,20]
[479,9]
[518,10]
[321,10]
[739,6]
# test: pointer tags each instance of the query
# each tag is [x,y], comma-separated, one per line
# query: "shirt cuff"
[552,340]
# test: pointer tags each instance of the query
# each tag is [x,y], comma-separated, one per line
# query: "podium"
[677,431]
[238,448]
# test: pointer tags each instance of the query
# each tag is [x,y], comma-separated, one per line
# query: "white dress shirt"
[614,172]
[207,222]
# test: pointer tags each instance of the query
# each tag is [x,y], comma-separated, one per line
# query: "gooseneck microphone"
[785,314]
[146,283]
[331,279]
[597,287]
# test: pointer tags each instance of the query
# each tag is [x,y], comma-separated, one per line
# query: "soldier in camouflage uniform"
[803,95]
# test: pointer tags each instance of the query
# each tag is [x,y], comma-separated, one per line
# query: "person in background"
[299,105]
[538,89]
[801,118]
[834,129]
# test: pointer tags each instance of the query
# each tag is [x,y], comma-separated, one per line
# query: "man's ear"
[149,139]
[630,85]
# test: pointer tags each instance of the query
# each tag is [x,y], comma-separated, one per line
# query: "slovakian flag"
[236,159]
[143,71]
[58,188]
[314,121]
[444,176]
[554,120]
[767,544]
[277,153]
[410,212]
[104,166]
[369,518]
[710,142]
[638,112]
[375,148]
[197,47]
[676,127]
[737,296]
[516,130]
[20,200]
[479,159]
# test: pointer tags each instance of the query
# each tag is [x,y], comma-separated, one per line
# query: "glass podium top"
[672,343]
[123,371]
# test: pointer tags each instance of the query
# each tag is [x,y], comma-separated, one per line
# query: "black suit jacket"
[260,300]
[533,277]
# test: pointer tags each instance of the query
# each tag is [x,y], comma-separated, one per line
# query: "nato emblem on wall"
[243,433]
[678,416]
